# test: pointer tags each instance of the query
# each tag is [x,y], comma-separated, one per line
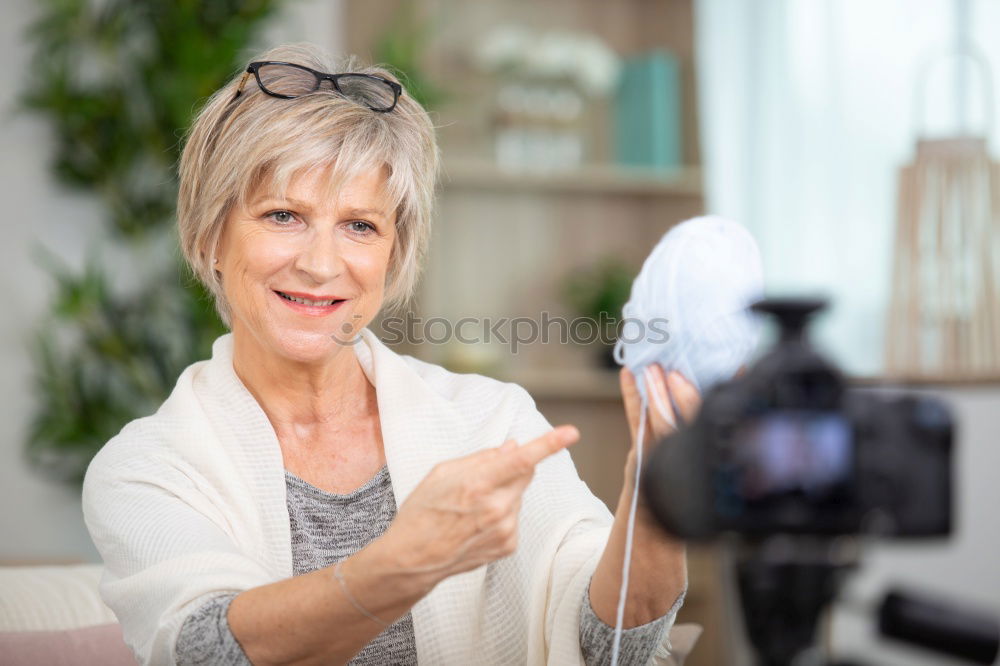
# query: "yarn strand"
[629,534]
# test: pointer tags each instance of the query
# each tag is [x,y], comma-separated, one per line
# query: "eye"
[282,218]
[361,227]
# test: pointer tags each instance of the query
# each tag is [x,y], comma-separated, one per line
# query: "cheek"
[265,254]
[258,256]
[371,265]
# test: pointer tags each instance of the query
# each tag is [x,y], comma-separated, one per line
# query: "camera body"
[788,448]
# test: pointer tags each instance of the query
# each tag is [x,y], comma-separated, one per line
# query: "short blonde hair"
[237,145]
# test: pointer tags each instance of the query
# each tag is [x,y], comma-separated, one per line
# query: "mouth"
[310,303]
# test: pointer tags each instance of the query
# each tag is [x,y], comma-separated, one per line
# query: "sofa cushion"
[43,598]
[100,645]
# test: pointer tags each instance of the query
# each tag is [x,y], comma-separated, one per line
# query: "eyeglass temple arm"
[242,83]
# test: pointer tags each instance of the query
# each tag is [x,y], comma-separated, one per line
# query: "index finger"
[517,461]
[548,444]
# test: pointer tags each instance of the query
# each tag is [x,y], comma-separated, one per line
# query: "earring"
[215,261]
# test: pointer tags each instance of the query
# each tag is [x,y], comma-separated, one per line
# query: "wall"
[40,521]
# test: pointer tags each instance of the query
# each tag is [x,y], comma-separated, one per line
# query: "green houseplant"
[599,291]
[119,80]
[401,47]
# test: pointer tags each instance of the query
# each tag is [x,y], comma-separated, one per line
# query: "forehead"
[362,187]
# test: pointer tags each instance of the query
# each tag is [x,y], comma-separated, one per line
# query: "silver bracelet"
[343,586]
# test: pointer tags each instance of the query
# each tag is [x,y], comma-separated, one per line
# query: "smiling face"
[303,273]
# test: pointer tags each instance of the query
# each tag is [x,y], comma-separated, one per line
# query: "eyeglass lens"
[287,80]
[373,93]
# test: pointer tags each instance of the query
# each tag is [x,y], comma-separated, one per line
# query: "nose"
[320,260]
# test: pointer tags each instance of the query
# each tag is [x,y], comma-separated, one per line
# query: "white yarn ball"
[701,278]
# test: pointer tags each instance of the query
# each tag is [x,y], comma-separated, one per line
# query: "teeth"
[306,301]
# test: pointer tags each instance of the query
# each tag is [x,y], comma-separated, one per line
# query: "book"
[647,111]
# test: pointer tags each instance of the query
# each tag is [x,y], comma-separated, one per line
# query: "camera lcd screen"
[789,469]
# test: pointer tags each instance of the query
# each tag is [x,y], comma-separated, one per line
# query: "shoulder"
[494,410]
[468,388]
[144,443]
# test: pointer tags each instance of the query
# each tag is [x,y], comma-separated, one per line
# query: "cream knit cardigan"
[190,502]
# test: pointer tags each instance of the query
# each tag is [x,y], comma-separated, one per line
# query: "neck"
[295,393]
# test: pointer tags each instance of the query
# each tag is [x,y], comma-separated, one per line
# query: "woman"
[254,517]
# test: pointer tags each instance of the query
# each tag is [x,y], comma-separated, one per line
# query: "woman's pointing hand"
[464,514]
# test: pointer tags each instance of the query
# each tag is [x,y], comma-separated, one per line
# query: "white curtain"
[807,110]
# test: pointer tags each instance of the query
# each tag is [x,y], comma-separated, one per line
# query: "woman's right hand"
[461,516]
[464,514]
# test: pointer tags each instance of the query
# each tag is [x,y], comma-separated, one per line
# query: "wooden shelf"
[925,381]
[590,384]
[566,384]
[472,174]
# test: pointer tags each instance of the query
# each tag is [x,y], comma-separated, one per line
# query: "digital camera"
[788,448]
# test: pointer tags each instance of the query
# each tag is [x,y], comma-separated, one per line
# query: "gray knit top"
[328,527]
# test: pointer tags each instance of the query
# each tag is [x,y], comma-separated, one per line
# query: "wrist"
[648,529]
[375,580]
[398,565]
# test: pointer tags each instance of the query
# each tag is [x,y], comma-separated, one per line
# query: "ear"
[214,251]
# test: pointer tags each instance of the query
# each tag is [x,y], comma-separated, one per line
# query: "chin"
[305,346]
[307,340]
[301,339]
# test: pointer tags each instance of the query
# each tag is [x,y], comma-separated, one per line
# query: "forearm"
[637,643]
[658,573]
[307,619]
